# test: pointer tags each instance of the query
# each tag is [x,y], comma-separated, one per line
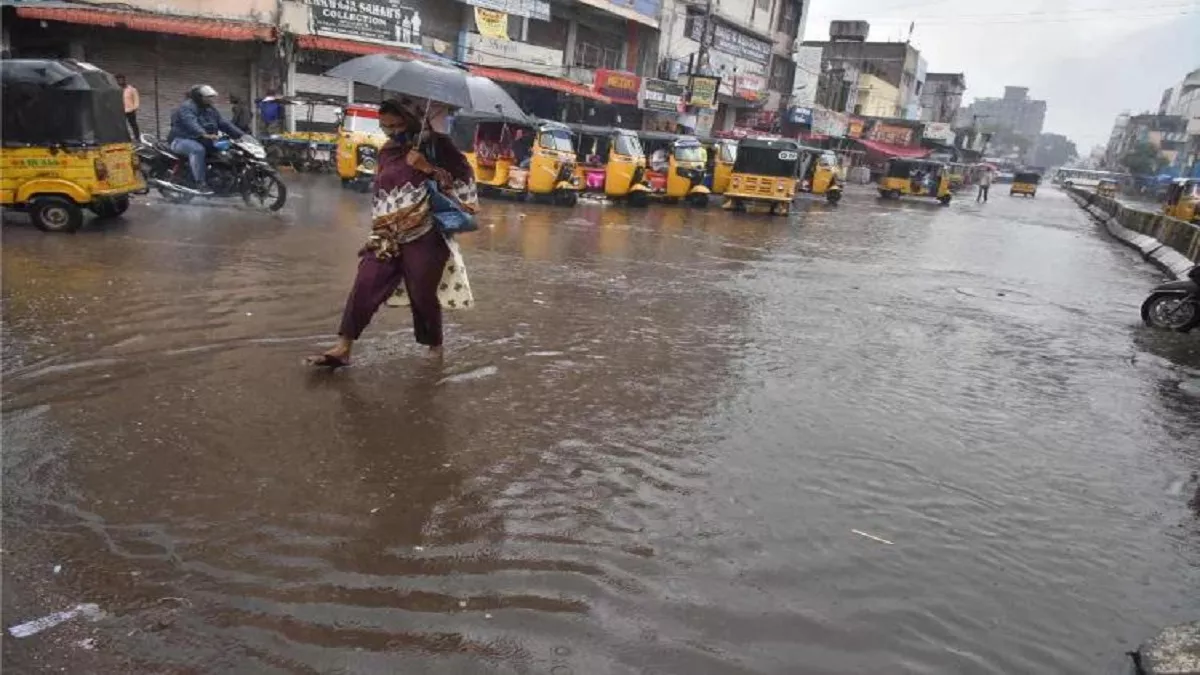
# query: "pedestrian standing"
[132,103]
[985,182]
[405,245]
[270,111]
[241,113]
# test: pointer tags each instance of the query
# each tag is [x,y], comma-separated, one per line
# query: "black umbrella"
[434,81]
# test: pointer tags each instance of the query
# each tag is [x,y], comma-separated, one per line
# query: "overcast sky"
[1089,59]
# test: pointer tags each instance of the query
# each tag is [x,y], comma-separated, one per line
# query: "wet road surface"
[649,448]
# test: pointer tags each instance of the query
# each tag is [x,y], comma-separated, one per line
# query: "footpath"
[1171,244]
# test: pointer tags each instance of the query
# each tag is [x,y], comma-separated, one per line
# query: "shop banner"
[828,122]
[854,128]
[534,9]
[891,133]
[726,39]
[704,91]
[661,95]
[940,132]
[620,86]
[386,21]
[800,115]
[491,23]
[749,87]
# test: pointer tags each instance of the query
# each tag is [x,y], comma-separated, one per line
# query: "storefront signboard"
[704,91]
[661,95]
[534,9]
[386,21]
[620,86]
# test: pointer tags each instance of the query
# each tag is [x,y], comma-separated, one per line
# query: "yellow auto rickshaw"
[611,162]
[1106,188]
[676,167]
[1183,200]
[916,178]
[359,139]
[819,173]
[66,145]
[543,164]
[722,153]
[488,141]
[764,175]
[1025,183]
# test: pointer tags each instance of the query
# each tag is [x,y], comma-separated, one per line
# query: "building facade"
[942,97]
[1014,112]
[848,57]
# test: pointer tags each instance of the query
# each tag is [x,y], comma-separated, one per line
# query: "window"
[789,15]
[763,4]
[782,71]
[593,56]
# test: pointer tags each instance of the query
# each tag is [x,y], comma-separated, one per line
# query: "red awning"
[152,23]
[349,46]
[890,150]
[529,80]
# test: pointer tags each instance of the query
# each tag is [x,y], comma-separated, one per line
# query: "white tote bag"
[454,291]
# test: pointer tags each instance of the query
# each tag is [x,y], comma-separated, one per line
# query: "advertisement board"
[387,21]
[491,23]
[808,75]
[730,41]
[891,133]
[661,95]
[704,91]
[620,86]
[750,87]
[941,132]
[854,127]
[486,51]
[801,115]
[534,9]
[827,122]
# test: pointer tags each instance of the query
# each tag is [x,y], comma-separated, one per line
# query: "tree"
[1144,159]
[1054,150]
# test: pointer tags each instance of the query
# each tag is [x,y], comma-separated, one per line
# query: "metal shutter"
[181,63]
[324,117]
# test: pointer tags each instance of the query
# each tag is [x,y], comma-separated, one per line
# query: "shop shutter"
[180,63]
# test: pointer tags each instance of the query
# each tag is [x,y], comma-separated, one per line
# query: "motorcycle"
[234,167]
[1174,305]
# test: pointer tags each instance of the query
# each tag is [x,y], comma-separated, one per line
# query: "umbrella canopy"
[431,80]
[412,77]
[487,96]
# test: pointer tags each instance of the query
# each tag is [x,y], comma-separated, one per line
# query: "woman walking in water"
[405,244]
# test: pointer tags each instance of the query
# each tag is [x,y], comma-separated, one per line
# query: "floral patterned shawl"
[400,207]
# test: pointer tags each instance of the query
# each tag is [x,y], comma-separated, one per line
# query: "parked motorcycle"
[235,167]
[1174,305]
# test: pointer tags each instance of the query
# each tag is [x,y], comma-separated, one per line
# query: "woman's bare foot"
[436,352]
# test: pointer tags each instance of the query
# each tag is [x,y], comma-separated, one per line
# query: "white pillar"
[253,97]
[289,89]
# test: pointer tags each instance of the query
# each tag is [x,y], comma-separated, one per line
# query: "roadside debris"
[873,537]
[88,610]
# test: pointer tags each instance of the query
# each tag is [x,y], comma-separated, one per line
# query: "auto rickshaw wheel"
[55,214]
[699,201]
[110,208]
[833,196]
[639,199]
[566,198]
[944,200]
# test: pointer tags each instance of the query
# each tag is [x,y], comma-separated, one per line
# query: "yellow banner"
[491,23]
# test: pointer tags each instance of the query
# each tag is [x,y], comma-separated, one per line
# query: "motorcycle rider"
[194,126]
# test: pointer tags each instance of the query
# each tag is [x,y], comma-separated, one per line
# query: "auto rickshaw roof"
[658,135]
[687,140]
[769,144]
[593,130]
[64,75]
[484,116]
[1027,177]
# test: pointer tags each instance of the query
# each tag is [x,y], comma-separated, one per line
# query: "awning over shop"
[530,80]
[888,150]
[349,46]
[150,23]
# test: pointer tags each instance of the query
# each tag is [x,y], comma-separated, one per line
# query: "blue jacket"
[192,121]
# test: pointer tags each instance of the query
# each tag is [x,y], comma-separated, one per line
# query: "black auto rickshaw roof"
[658,136]
[769,144]
[1027,177]
[51,103]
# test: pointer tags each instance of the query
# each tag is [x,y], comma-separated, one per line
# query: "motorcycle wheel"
[1171,312]
[265,191]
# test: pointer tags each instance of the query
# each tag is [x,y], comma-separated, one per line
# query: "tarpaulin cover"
[60,103]
[888,150]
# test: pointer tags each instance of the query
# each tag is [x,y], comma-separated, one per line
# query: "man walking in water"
[985,182]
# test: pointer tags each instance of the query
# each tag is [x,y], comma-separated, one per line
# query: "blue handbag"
[449,216]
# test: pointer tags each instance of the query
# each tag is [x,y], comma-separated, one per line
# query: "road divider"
[1171,244]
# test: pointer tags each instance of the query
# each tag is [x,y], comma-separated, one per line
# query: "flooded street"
[648,450]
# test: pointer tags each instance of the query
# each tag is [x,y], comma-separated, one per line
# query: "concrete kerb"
[1152,250]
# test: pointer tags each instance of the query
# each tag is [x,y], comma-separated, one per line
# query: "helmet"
[200,92]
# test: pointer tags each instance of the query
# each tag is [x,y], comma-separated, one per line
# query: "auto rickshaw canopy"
[903,168]
[60,103]
[1027,177]
[767,157]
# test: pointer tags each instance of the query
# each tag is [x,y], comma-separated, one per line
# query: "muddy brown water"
[648,449]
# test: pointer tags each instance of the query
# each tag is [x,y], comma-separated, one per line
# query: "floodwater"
[886,437]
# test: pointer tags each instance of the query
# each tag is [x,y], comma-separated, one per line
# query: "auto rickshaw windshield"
[556,139]
[357,122]
[689,153]
[59,103]
[728,152]
[628,145]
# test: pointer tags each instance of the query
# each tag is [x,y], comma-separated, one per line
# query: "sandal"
[327,361]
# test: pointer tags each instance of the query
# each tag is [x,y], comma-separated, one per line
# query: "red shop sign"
[620,86]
